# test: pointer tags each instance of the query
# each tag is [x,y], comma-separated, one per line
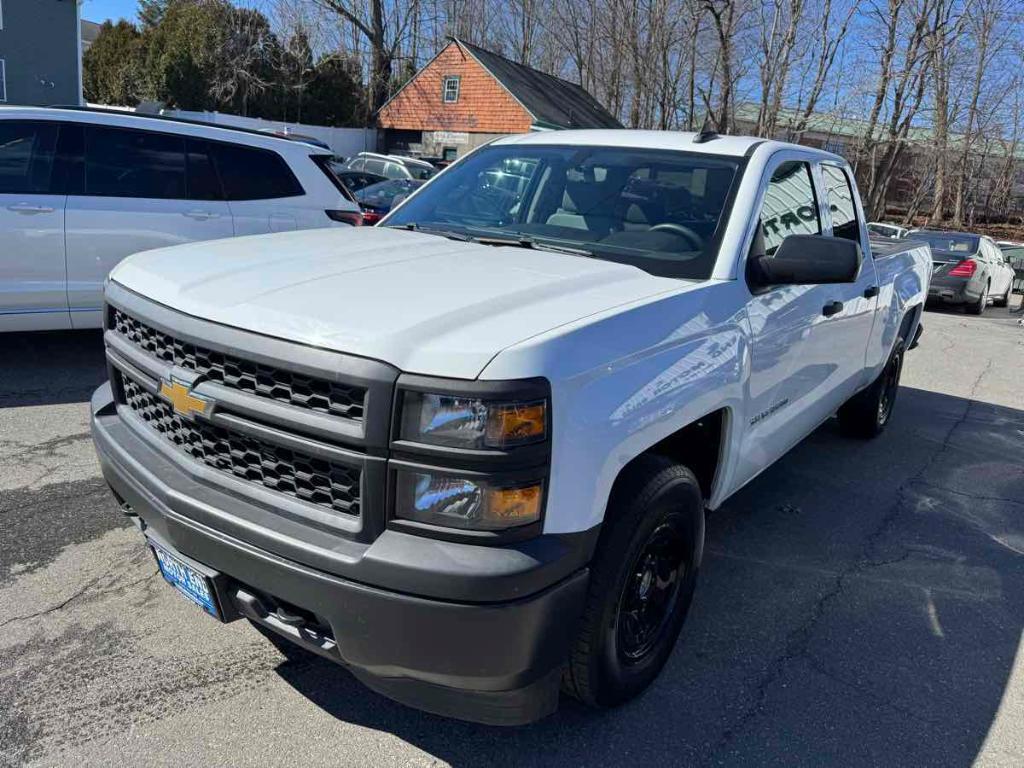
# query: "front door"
[32,279]
[139,190]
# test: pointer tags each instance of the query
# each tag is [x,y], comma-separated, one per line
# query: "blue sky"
[101,10]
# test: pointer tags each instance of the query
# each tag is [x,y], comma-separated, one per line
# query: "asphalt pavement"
[861,603]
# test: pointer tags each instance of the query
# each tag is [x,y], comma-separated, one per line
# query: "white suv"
[82,189]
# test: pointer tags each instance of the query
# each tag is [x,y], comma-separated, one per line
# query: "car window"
[356,164]
[121,162]
[841,203]
[395,171]
[789,207]
[26,156]
[202,181]
[249,173]
[373,165]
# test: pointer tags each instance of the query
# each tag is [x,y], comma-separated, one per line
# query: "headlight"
[454,501]
[471,422]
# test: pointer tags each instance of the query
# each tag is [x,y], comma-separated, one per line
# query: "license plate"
[187,580]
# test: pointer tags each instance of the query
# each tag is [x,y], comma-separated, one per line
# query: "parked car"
[82,189]
[355,180]
[891,231]
[970,270]
[391,166]
[1014,255]
[467,452]
[378,199]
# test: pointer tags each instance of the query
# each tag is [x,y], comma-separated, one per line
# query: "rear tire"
[1005,301]
[642,580]
[866,414]
[978,308]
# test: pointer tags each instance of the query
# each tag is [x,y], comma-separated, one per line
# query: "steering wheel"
[678,229]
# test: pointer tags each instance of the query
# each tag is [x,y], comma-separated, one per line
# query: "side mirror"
[807,260]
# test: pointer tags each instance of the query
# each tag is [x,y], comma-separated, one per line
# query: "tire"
[632,618]
[1005,300]
[978,308]
[866,414]
[288,649]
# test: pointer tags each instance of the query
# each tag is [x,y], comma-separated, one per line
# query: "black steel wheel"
[867,413]
[650,592]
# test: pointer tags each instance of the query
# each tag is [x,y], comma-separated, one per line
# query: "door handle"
[201,215]
[832,308]
[28,209]
[870,293]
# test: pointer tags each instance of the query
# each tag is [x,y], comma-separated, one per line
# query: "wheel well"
[908,322]
[697,445]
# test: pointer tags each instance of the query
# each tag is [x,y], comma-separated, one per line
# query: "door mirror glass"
[807,260]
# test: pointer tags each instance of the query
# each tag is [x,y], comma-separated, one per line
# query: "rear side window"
[120,162]
[789,206]
[841,203]
[248,173]
[203,183]
[373,165]
[26,156]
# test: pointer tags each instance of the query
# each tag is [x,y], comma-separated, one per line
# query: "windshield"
[658,210]
[950,244]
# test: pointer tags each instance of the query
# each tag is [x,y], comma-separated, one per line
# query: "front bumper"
[492,661]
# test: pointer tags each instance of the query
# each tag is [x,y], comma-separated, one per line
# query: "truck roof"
[679,141]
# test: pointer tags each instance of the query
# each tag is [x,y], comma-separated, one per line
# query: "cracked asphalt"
[860,604]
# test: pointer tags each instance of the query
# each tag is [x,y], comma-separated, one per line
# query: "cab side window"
[841,203]
[789,207]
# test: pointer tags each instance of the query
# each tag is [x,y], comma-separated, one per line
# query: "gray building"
[40,52]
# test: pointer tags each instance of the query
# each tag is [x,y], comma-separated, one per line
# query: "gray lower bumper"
[489,662]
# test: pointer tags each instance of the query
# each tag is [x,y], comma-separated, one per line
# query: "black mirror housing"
[807,260]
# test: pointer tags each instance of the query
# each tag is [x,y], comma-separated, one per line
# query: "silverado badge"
[181,398]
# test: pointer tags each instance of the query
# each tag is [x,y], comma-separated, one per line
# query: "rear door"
[32,278]
[131,195]
[1002,275]
[841,342]
[263,193]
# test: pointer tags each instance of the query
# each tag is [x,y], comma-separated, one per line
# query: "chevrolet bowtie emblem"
[182,400]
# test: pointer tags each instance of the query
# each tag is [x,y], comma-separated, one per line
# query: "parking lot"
[860,603]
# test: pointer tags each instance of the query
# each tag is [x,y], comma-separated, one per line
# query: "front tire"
[642,580]
[866,414]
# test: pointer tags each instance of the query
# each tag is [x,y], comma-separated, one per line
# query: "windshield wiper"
[529,242]
[449,233]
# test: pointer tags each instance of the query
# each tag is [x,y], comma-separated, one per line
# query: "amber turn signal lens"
[514,506]
[517,423]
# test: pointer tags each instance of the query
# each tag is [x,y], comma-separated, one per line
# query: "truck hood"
[421,302]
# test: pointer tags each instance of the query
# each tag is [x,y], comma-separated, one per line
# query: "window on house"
[3,81]
[450,89]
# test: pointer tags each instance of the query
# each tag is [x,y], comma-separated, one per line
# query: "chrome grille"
[286,386]
[315,480]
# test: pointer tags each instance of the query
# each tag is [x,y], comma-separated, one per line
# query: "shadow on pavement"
[50,367]
[861,603]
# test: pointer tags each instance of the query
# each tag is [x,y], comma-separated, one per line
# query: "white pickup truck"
[468,453]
